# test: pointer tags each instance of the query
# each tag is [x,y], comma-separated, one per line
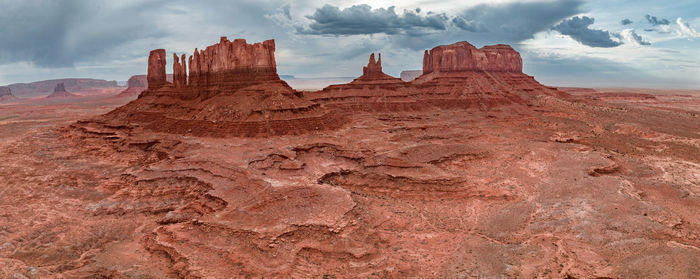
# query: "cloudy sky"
[632,43]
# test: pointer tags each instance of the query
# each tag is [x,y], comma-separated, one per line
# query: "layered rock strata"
[232,89]
[462,56]
[456,76]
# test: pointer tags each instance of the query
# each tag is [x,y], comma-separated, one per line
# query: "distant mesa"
[60,92]
[5,91]
[136,85]
[227,89]
[462,56]
[6,95]
[410,75]
[456,76]
[232,89]
[46,87]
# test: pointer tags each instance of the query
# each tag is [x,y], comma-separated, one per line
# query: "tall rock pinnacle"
[156,69]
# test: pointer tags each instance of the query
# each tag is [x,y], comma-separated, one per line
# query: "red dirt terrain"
[472,170]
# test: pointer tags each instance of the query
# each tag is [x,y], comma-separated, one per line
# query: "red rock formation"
[179,72]
[457,76]
[463,56]
[232,90]
[156,69]
[233,65]
[373,68]
[60,92]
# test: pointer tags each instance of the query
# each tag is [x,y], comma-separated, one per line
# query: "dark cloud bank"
[484,23]
[60,33]
[577,29]
[362,19]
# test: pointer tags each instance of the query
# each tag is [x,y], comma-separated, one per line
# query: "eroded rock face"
[179,71]
[462,56]
[232,90]
[156,69]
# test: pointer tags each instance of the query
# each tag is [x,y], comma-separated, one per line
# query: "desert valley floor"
[473,170]
[579,188]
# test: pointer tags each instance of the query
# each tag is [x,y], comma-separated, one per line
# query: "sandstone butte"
[454,76]
[228,89]
[232,89]
[5,91]
[6,95]
[60,92]
[135,86]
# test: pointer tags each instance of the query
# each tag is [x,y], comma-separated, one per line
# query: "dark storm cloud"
[469,25]
[655,21]
[515,22]
[577,29]
[626,21]
[362,19]
[60,33]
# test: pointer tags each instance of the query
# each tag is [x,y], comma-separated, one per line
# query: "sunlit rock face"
[462,56]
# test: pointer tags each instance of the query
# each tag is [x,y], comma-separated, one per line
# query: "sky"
[591,43]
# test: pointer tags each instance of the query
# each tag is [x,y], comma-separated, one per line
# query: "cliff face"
[233,64]
[230,89]
[462,56]
[156,69]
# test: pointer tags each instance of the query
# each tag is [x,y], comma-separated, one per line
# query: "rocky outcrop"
[60,92]
[232,89]
[462,56]
[456,76]
[179,72]
[156,69]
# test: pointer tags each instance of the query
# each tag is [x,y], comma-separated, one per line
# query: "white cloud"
[686,30]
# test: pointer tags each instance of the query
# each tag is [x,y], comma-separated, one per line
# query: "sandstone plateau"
[472,170]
